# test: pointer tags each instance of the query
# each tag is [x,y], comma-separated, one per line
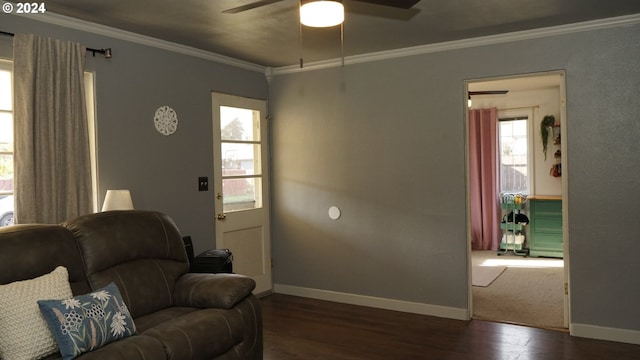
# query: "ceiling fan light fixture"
[322,13]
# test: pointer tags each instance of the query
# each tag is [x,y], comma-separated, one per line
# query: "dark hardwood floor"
[301,328]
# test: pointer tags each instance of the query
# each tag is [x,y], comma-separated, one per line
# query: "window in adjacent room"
[514,154]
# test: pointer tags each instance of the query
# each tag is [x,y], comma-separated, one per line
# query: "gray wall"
[161,171]
[385,142]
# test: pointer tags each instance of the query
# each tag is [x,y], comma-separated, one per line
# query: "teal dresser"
[546,226]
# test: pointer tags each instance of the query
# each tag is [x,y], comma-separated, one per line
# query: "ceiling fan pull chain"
[300,36]
[342,42]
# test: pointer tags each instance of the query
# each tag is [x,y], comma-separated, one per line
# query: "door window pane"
[240,159]
[241,194]
[240,151]
[239,124]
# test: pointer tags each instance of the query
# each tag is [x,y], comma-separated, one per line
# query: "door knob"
[218,196]
[222,217]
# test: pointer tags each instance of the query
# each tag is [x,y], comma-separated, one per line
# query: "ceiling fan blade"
[488,92]
[249,6]
[402,4]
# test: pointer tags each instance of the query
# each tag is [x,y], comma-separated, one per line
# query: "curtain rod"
[105,52]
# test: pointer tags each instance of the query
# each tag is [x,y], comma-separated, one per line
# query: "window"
[514,154]
[241,158]
[89,93]
[6,139]
[6,144]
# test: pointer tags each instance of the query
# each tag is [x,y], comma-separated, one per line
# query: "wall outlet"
[203,183]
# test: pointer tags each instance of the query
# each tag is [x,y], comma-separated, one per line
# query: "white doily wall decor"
[166,120]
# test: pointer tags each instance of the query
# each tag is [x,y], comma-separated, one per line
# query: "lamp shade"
[322,13]
[117,200]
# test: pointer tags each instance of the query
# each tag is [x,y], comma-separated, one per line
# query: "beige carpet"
[485,275]
[524,295]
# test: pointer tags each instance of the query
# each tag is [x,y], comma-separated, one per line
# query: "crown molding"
[73,23]
[99,29]
[621,21]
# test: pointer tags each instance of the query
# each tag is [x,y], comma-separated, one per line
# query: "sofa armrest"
[212,290]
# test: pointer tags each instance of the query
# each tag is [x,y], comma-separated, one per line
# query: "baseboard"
[605,333]
[375,302]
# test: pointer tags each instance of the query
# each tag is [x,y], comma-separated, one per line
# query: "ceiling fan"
[486,92]
[402,4]
[323,13]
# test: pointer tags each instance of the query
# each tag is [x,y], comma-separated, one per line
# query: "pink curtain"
[484,178]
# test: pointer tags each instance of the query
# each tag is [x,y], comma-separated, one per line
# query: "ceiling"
[271,35]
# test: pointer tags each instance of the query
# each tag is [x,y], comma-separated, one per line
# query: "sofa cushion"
[141,251]
[202,334]
[88,322]
[146,322]
[136,347]
[29,251]
[212,290]
[23,331]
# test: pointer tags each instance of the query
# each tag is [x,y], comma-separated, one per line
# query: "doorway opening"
[517,234]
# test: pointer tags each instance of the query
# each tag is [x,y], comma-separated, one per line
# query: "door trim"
[564,179]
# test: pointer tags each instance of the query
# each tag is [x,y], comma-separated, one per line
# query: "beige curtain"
[52,164]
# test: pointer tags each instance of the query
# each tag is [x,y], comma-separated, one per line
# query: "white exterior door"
[241,185]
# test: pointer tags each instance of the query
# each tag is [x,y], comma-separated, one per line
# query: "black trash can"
[213,261]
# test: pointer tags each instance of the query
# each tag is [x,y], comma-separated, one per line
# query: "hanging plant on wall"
[545,129]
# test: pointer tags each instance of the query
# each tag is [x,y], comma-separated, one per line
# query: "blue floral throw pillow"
[87,322]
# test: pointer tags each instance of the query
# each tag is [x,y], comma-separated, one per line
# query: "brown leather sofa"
[178,315]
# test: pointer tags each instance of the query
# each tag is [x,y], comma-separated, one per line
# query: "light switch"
[203,183]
